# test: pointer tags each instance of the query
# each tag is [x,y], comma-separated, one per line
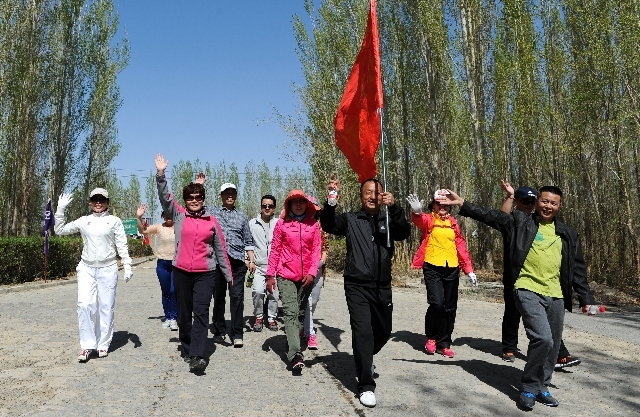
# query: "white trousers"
[96,294]
[314,297]
[259,293]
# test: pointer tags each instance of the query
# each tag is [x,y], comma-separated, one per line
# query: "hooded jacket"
[296,245]
[200,245]
[425,222]
[519,230]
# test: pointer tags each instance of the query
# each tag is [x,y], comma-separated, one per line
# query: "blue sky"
[202,80]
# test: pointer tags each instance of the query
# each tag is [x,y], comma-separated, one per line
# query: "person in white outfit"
[262,231]
[102,233]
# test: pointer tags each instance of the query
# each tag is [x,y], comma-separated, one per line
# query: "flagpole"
[384,177]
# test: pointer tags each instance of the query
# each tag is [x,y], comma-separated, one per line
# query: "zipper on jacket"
[301,261]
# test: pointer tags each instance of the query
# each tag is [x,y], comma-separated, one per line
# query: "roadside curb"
[5,289]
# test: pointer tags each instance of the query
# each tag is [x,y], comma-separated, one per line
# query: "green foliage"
[534,92]
[24,257]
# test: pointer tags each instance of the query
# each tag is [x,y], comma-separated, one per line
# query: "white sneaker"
[102,353]
[173,325]
[84,355]
[368,399]
[166,324]
[237,343]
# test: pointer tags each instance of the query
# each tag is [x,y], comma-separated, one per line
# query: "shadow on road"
[333,334]
[341,366]
[415,340]
[121,338]
[278,345]
[490,346]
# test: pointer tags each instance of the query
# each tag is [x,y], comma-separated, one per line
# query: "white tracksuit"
[101,234]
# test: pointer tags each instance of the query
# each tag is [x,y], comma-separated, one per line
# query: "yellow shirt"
[162,241]
[441,247]
[541,270]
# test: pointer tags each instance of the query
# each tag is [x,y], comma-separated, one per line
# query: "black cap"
[524,192]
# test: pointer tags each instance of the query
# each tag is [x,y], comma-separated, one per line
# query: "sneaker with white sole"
[173,325]
[237,343]
[84,355]
[166,324]
[103,353]
[312,342]
[368,399]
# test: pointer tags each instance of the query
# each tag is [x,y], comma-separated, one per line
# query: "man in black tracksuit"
[367,274]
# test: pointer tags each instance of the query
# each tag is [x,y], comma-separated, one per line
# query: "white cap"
[99,191]
[437,194]
[226,186]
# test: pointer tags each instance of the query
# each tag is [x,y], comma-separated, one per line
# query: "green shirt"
[541,270]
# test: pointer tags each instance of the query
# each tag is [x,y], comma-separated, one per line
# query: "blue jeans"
[164,269]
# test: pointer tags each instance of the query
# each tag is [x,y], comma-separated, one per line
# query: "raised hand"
[141,209]
[63,201]
[507,188]
[201,178]
[416,205]
[161,164]
[449,199]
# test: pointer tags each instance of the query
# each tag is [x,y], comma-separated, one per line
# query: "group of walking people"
[203,252]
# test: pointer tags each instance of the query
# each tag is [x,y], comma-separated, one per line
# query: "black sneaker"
[197,364]
[527,400]
[297,363]
[546,399]
[567,361]
[508,356]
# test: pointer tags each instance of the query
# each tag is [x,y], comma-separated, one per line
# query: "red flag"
[358,120]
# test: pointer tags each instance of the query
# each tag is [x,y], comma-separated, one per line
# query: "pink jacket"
[295,249]
[425,222]
[296,245]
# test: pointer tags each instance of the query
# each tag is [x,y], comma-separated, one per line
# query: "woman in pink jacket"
[294,259]
[441,255]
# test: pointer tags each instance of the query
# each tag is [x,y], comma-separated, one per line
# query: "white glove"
[473,278]
[416,205]
[128,273]
[63,201]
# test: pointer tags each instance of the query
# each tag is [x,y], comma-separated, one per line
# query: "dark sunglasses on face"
[101,200]
[194,197]
[528,201]
[268,206]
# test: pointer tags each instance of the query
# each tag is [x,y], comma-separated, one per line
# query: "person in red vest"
[442,254]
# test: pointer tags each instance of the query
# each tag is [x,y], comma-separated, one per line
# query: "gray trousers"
[542,318]
[259,293]
[313,301]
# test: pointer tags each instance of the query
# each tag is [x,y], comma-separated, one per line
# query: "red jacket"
[425,222]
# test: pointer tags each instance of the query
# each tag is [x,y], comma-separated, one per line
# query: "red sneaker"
[257,327]
[446,352]
[312,343]
[430,346]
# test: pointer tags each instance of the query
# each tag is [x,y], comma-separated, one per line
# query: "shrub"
[23,257]
[337,254]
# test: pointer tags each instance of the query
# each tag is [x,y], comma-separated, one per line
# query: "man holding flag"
[369,232]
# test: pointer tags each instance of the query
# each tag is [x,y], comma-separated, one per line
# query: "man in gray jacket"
[262,231]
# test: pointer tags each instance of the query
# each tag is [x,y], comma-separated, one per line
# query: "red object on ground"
[602,309]
[357,121]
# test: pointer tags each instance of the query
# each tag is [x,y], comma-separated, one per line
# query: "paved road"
[145,376]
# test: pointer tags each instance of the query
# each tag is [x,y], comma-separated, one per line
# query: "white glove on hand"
[63,201]
[128,273]
[473,278]
[416,205]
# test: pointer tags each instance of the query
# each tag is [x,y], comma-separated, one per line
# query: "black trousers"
[193,294]
[510,321]
[442,295]
[236,303]
[370,312]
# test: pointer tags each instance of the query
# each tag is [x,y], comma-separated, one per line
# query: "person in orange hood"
[294,260]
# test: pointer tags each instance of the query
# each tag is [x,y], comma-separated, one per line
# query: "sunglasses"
[194,197]
[268,206]
[528,201]
[98,200]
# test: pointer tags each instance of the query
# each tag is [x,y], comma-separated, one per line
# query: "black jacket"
[368,260]
[518,230]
